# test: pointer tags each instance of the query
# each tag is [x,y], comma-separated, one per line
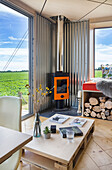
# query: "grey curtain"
[44,55]
[76,56]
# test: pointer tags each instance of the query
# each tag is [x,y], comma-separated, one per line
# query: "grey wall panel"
[82,52]
[73,63]
[76,54]
[76,72]
[70,63]
[44,55]
[79,56]
[53,48]
[85,35]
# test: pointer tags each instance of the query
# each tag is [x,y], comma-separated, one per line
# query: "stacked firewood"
[98,107]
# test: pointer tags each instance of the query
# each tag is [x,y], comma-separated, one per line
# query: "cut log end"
[93,101]
[109,117]
[88,110]
[99,115]
[108,104]
[102,99]
[86,114]
[93,114]
[87,105]
[97,109]
[102,105]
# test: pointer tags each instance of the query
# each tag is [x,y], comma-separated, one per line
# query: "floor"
[98,154]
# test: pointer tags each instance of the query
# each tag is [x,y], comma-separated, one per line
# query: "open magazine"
[77,131]
[78,121]
[59,119]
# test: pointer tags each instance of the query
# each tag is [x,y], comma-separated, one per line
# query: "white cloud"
[14,66]
[103,55]
[19,62]
[9,51]
[5,42]
[99,46]
[6,9]
[16,39]
[103,32]
[104,49]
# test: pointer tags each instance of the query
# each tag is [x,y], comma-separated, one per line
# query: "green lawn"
[98,73]
[13,82]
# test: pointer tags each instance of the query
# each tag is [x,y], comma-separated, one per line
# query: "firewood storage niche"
[95,104]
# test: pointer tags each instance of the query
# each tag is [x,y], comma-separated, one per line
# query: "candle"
[79,93]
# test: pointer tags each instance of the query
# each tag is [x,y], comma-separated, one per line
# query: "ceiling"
[73,9]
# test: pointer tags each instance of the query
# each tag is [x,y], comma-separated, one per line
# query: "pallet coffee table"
[56,152]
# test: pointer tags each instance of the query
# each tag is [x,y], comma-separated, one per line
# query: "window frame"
[94,24]
[31,53]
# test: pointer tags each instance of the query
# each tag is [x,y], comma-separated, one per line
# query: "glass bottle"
[37,126]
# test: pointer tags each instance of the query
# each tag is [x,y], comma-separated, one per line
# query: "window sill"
[27,116]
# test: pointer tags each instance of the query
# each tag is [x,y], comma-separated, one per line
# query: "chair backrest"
[10,112]
[10,117]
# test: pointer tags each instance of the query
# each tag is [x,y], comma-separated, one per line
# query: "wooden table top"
[11,141]
[57,148]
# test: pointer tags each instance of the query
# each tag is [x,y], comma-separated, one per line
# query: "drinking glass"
[70,135]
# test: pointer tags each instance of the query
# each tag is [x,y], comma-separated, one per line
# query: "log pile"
[98,107]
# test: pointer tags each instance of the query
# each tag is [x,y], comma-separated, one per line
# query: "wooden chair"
[10,117]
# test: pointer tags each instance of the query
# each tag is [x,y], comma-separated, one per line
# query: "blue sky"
[13,25]
[103,46]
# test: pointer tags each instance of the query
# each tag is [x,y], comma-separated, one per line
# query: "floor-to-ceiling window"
[15,55]
[103,52]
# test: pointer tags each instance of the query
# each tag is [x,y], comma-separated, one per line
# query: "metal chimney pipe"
[60,22]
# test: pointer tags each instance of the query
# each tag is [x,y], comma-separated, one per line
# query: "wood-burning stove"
[61,91]
[60,79]
[61,83]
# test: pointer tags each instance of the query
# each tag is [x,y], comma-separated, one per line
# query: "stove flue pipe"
[60,22]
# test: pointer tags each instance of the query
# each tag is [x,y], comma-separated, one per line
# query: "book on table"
[59,119]
[77,131]
[78,121]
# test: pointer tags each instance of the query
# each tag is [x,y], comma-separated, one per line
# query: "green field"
[13,82]
[98,73]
